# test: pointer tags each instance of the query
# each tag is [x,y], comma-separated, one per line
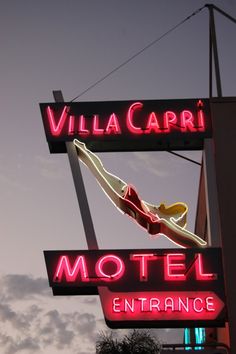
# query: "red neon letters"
[162,306]
[179,303]
[56,128]
[175,266]
[70,272]
[143,260]
[120,267]
[148,288]
[152,124]
[110,268]
[200,275]
[62,123]
[129,120]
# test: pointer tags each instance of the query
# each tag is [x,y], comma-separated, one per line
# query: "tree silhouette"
[136,342]
[106,344]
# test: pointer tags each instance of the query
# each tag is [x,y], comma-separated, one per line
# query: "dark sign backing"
[145,288]
[140,125]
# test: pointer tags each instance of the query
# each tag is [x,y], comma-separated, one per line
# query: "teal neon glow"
[187,339]
[200,337]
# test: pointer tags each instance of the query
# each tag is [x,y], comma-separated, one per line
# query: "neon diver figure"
[156,219]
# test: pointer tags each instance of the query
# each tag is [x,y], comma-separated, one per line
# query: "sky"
[69,45]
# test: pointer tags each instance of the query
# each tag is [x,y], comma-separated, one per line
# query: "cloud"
[30,325]
[66,330]
[16,320]
[13,346]
[59,329]
[33,322]
[85,324]
[35,329]
[90,300]
[20,286]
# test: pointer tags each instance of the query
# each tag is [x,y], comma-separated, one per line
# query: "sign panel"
[145,288]
[128,125]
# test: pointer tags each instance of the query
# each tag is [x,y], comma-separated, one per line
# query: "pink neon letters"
[111,267]
[131,122]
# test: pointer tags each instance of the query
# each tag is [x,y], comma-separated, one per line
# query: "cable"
[138,53]
[231,18]
[185,158]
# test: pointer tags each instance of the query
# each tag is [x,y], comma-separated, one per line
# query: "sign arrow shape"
[161,306]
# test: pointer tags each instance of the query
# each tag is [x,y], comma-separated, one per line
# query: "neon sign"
[145,287]
[138,288]
[167,220]
[150,306]
[128,125]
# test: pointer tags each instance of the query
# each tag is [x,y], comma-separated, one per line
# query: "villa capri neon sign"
[145,287]
[128,125]
[170,288]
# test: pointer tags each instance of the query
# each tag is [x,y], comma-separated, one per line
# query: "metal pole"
[231,18]
[209,173]
[212,206]
[210,61]
[212,176]
[79,188]
[213,45]
[82,199]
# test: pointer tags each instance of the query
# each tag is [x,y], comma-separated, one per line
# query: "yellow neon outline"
[172,219]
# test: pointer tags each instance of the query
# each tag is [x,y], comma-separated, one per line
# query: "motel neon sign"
[166,288]
[128,125]
[145,288]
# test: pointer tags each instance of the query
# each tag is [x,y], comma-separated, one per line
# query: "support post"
[213,47]
[208,216]
[210,63]
[212,207]
[224,129]
[82,198]
[79,188]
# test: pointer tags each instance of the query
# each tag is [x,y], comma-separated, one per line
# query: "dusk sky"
[69,45]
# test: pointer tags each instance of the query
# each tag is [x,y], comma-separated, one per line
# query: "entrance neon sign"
[162,307]
[186,302]
[128,125]
[145,287]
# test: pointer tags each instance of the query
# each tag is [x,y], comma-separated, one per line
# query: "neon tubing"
[161,219]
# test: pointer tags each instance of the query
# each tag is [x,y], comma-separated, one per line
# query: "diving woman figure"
[156,219]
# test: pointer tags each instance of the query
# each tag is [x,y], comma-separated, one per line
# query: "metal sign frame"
[141,125]
[145,288]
